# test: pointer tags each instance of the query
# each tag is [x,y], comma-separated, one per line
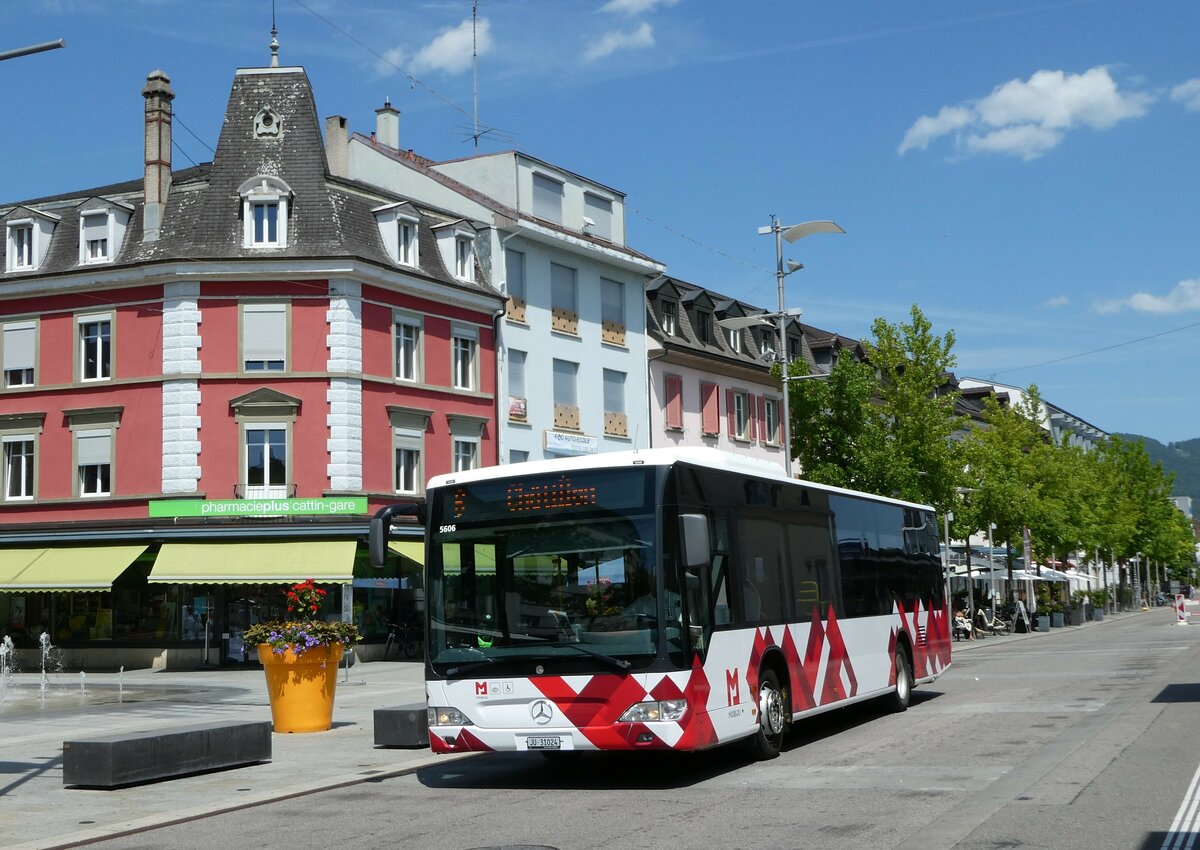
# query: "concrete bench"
[402,726]
[112,760]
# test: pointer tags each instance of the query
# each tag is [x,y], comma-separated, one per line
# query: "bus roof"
[695,455]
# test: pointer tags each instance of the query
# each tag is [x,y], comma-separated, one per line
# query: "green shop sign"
[258,507]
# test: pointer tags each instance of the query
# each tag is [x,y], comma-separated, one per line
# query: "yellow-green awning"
[284,561]
[73,568]
[414,550]
[14,561]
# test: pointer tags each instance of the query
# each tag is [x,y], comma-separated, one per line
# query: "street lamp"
[791,234]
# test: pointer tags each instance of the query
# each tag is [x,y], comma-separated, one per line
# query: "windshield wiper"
[619,663]
[483,661]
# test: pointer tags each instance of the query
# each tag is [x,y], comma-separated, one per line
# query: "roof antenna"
[474,71]
[274,39]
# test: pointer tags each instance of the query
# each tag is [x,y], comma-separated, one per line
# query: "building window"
[518,407]
[466,454]
[704,327]
[547,198]
[18,467]
[599,210]
[514,277]
[793,348]
[94,238]
[564,309]
[738,408]
[612,311]
[19,353]
[266,462]
[463,343]
[517,456]
[466,433]
[408,349]
[464,258]
[615,421]
[264,337]
[95,348]
[406,241]
[265,202]
[566,399]
[408,448]
[734,337]
[93,457]
[771,417]
[669,317]
[20,247]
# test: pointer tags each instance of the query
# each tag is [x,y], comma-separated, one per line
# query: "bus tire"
[899,699]
[773,713]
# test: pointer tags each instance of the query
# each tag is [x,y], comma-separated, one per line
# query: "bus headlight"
[442,716]
[648,712]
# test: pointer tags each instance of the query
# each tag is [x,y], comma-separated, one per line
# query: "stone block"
[402,726]
[110,761]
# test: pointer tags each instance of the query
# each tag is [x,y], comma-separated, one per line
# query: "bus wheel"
[772,718]
[898,699]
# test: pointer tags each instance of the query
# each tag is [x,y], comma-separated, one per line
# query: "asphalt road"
[1080,738]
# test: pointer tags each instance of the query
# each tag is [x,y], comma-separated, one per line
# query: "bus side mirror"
[381,529]
[693,540]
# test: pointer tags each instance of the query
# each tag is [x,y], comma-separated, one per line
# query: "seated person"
[962,624]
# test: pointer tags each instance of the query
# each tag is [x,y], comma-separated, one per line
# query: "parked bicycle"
[997,625]
[406,637]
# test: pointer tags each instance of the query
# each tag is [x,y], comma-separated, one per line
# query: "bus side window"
[809,557]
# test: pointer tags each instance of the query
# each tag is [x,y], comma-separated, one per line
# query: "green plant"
[303,600]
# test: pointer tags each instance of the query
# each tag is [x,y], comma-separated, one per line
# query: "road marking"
[1183,829]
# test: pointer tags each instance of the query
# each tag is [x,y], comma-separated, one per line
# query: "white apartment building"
[571,343]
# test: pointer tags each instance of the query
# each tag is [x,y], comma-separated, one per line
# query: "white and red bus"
[667,599]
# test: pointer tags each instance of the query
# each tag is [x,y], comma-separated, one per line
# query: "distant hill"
[1181,458]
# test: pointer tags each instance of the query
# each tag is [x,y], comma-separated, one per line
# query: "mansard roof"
[328,218]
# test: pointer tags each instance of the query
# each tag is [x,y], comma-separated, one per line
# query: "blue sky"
[1024,171]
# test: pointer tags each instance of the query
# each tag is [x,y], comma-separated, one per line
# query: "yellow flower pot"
[301,686]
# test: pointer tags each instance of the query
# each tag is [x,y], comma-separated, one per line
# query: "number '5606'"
[445,529]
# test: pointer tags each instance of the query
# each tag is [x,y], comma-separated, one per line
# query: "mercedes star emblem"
[541,712]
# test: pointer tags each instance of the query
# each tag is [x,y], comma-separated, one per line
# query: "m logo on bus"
[481,689]
[733,686]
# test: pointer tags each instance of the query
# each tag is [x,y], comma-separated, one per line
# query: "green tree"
[885,425]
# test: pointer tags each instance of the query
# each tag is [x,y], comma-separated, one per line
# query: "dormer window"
[102,225]
[398,228]
[27,237]
[464,269]
[669,317]
[734,337]
[94,238]
[265,202]
[20,246]
[456,241]
[704,327]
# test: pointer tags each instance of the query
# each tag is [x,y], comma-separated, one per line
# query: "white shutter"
[93,447]
[264,332]
[408,438]
[19,339]
[95,227]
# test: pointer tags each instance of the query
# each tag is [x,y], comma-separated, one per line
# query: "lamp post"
[791,234]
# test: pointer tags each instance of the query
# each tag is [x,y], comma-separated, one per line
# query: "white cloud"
[1183,298]
[1026,118]
[613,41]
[392,61]
[1188,94]
[634,7]
[450,52]
[1057,301]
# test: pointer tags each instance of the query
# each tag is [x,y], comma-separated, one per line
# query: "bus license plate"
[552,742]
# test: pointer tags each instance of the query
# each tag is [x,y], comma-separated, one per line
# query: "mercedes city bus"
[666,599]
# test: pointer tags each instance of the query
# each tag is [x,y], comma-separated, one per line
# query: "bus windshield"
[555,572]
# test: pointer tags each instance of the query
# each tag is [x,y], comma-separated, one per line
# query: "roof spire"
[274,39]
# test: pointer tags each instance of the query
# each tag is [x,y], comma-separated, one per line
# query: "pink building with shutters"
[711,385]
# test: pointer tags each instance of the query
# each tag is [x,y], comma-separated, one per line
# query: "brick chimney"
[337,139]
[157,176]
[387,125]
